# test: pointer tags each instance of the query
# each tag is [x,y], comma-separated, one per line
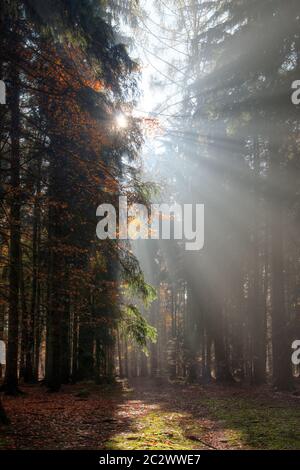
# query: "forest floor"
[152,415]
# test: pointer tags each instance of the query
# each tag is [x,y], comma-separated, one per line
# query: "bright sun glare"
[121,121]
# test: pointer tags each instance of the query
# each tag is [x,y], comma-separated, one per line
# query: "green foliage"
[137,328]
[133,276]
[138,286]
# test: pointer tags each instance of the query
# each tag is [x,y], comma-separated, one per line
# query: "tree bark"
[11,373]
[282,366]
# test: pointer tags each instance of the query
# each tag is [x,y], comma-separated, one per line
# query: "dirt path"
[149,415]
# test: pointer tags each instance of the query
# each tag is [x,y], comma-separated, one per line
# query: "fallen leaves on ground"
[148,416]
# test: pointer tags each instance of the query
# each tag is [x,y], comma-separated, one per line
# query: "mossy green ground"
[257,425]
[221,423]
[157,431]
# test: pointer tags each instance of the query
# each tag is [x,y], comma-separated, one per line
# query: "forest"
[144,339]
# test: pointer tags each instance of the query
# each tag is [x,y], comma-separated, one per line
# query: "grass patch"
[257,425]
[157,431]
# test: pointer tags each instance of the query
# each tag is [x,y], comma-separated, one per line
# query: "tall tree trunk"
[11,373]
[121,373]
[192,335]
[29,373]
[86,364]
[65,332]
[258,312]
[3,416]
[282,367]
[126,365]
[38,330]
[153,346]
[75,346]
[25,321]
[56,270]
